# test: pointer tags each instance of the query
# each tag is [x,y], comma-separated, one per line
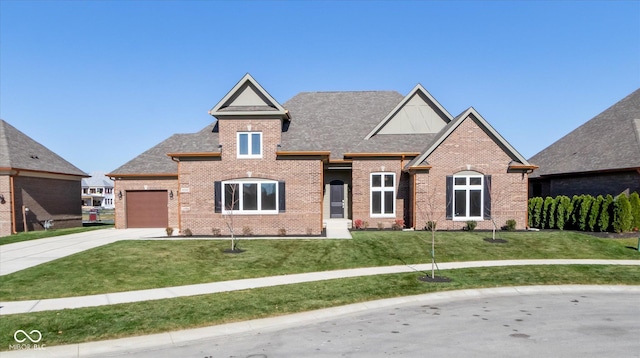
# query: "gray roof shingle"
[609,141]
[339,121]
[156,161]
[19,151]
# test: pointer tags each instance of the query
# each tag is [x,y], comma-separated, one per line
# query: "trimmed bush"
[546,212]
[470,225]
[604,221]
[634,199]
[585,206]
[574,217]
[592,220]
[537,211]
[622,218]
[511,225]
[563,211]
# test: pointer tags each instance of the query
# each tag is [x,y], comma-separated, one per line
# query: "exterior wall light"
[2,201]
[120,195]
[171,195]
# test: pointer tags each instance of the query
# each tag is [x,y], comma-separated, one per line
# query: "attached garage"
[147,209]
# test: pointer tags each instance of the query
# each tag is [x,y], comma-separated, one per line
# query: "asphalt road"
[540,325]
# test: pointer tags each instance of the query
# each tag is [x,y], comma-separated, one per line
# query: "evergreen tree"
[622,218]
[594,212]
[585,206]
[605,213]
[546,211]
[635,210]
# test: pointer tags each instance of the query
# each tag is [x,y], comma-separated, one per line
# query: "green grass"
[33,235]
[108,322]
[135,265]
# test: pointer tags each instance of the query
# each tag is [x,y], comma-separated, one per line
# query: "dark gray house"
[602,156]
[35,178]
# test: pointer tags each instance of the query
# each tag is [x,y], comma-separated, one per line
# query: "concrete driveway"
[22,255]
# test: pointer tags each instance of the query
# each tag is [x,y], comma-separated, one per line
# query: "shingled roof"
[156,161]
[609,141]
[19,151]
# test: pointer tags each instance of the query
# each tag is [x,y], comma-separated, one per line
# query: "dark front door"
[336,198]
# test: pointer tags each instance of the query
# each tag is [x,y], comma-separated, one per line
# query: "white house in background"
[97,191]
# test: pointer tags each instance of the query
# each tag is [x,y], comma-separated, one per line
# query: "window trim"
[467,187]
[241,210]
[249,145]
[382,189]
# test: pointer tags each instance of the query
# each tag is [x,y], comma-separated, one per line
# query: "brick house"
[35,178]
[602,156]
[375,156]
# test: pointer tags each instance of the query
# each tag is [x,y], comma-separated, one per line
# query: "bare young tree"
[433,216]
[231,202]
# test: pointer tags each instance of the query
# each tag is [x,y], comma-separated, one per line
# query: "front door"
[336,198]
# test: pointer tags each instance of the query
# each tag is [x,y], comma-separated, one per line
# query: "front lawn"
[124,320]
[135,265]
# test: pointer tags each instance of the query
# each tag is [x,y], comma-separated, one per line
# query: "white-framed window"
[249,144]
[468,197]
[250,197]
[383,194]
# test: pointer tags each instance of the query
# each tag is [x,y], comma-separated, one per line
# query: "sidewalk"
[16,307]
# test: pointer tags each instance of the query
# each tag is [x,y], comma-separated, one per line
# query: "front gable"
[417,113]
[470,135]
[248,99]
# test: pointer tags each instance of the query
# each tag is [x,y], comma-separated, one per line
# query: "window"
[249,144]
[250,197]
[468,201]
[383,194]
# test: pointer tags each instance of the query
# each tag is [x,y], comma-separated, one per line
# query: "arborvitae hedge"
[585,212]
[622,218]
[634,199]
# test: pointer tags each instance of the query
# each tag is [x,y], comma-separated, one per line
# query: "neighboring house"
[97,191]
[602,156]
[33,177]
[270,168]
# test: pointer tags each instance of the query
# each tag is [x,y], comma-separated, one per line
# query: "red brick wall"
[56,199]
[470,148]
[361,192]
[122,185]
[302,177]
[5,209]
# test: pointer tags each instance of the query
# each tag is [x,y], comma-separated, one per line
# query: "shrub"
[574,217]
[604,221]
[431,225]
[511,225]
[246,231]
[365,225]
[537,211]
[563,210]
[583,215]
[546,212]
[622,218]
[531,205]
[634,199]
[215,231]
[282,232]
[380,226]
[309,231]
[595,211]
[169,231]
[398,224]
[358,224]
[187,232]
[470,225]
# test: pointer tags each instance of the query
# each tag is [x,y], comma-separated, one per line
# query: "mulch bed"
[434,279]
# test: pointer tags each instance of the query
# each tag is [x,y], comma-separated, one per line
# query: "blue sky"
[99,82]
